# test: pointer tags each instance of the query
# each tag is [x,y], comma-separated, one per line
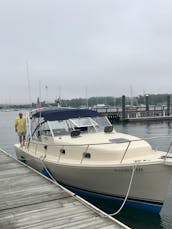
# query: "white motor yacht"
[82,151]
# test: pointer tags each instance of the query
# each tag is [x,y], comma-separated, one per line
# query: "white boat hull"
[150,182]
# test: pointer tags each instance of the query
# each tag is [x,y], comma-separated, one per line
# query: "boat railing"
[129,143]
[97,144]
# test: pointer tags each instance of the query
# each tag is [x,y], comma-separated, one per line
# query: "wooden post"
[163,111]
[147,105]
[168,105]
[123,107]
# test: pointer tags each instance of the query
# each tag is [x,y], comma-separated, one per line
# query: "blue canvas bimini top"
[64,114]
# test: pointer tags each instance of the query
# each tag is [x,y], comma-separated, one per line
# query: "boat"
[82,151]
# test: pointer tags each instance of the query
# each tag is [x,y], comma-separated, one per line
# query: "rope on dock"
[78,197]
[127,194]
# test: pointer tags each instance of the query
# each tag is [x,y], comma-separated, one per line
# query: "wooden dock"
[29,200]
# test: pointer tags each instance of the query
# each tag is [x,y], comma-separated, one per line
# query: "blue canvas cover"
[64,114]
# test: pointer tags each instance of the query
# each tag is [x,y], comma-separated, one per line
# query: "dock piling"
[168,105]
[123,108]
[147,105]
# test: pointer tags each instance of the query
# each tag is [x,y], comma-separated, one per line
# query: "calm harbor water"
[132,217]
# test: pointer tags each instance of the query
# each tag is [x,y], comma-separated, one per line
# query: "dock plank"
[28,200]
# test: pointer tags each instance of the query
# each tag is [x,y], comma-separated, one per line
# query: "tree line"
[154,99]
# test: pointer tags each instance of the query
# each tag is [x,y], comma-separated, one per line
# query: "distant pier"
[30,200]
[137,113]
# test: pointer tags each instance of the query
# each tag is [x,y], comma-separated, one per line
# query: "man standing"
[20,127]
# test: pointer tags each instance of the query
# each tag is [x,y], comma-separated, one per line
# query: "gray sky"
[100,46]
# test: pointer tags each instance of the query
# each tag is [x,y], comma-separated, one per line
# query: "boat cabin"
[61,122]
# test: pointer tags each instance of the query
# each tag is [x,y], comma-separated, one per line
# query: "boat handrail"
[168,151]
[102,143]
[105,143]
[129,143]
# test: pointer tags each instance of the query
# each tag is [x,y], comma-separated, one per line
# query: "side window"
[37,134]
[45,130]
[59,127]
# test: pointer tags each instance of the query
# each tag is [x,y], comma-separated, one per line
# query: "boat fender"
[108,129]
[22,159]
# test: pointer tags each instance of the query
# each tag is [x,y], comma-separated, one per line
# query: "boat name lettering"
[128,170]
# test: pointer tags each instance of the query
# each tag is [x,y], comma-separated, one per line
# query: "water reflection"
[161,130]
[134,218]
[139,218]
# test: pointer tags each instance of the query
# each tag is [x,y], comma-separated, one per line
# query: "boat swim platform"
[30,200]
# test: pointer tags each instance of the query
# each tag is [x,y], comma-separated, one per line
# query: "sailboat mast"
[28,82]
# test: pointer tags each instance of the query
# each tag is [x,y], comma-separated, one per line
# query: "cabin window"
[42,129]
[102,122]
[45,130]
[84,125]
[83,122]
[59,127]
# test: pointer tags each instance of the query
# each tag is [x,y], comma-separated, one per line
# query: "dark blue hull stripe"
[145,205]
[136,203]
[23,161]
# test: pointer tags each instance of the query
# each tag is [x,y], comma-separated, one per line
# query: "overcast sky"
[76,48]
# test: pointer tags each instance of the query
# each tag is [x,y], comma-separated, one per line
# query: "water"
[138,218]
[7,131]
[132,217]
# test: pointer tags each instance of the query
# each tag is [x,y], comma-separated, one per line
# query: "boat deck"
[29,200]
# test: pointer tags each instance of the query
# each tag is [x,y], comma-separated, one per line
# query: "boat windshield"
[85,125]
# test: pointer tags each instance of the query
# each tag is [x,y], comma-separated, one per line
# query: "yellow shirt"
[20,124]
